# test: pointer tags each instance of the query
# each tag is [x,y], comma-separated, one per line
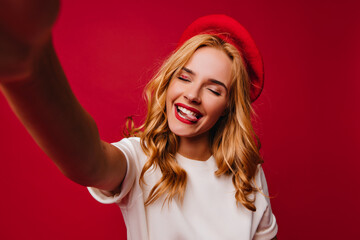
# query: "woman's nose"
[193,94]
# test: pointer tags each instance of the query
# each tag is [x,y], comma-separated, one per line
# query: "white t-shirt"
[209,210]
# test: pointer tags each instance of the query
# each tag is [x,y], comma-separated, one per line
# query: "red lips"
[189,108]
[188,119]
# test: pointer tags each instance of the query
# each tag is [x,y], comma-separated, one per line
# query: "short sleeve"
[267,227]
[126,146]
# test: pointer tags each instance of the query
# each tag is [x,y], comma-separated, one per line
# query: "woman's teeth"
[187,114]
[186,111]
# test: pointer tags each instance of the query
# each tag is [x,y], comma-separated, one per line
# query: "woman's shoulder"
[132,139]
[131,147]
[129,141]
[260,180]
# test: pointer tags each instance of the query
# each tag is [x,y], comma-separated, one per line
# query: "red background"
[308,111]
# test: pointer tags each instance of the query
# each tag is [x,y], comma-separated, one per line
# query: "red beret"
[231,31]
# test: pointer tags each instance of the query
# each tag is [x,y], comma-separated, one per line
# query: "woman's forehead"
[211,63]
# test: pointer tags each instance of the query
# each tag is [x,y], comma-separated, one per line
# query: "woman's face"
[198,96]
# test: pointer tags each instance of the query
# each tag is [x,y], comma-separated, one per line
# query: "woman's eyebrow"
[211,80]
[218,83]
[188,71]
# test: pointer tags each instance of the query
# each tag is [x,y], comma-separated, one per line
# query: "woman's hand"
[25,27]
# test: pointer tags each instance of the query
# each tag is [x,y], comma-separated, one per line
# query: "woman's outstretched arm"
[34,84]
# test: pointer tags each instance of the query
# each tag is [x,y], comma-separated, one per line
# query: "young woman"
[193,170]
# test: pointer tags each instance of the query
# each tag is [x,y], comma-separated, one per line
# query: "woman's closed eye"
[184,78]
[217,93]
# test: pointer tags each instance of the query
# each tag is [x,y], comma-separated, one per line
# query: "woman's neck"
[197,148]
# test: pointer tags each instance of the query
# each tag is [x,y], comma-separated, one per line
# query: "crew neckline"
[210,162]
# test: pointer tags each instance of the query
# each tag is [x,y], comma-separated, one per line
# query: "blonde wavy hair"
[234,144]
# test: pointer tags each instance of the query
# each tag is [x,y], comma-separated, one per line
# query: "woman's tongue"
[189,117]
